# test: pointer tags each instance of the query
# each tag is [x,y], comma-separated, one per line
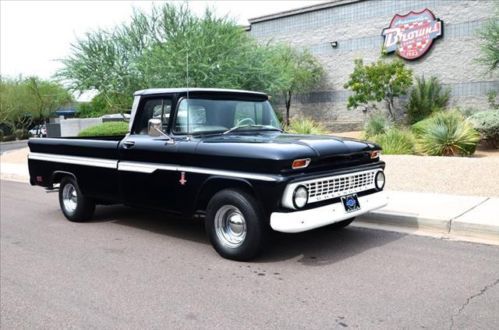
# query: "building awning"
[65,112]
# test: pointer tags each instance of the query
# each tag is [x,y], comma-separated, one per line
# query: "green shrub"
[111,128]
[11,137]
[93,109]
[492,98]
[426,97]
[21,134]
[487,124]
[396,142]
[446,134]
[305,126]
[377,124]
[468,111]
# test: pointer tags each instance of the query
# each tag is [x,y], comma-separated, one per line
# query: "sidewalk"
[436,214]
[444,216]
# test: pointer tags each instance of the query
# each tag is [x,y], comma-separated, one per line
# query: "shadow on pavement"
[324,246]
[154,221]
[318,247]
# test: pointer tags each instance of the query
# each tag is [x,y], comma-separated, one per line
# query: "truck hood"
[282,148]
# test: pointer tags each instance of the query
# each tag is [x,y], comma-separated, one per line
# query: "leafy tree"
[97,107]
[426,97]
[300,72]
[377,82]
[490,43]
[171,47]
[48,96]
[24,101]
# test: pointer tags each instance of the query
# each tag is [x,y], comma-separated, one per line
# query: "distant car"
[38,131]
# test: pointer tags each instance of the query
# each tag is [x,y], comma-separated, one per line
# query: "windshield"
[205,116]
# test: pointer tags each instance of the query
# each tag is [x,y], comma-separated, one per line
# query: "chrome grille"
[340,185]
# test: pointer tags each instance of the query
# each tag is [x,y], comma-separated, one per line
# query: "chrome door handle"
[128,144]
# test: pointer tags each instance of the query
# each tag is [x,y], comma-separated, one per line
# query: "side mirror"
[154,127]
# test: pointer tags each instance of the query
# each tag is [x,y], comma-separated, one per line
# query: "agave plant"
[426,97]
[305,126]
[396,142]
[377,124]
[446,134]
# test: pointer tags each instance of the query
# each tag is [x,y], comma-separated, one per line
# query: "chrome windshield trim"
[77,160]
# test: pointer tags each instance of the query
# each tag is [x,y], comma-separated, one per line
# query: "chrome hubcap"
[230,226]
[69,198]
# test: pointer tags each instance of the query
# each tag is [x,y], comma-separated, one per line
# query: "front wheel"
[74,205]
[235,225]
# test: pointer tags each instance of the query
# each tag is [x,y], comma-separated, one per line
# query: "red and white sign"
[411,35]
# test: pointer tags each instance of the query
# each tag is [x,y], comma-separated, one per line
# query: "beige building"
[340,31]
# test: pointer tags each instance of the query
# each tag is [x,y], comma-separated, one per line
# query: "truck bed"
[95,160]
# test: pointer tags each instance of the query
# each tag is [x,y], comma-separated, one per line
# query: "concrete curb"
[463,217]
[406,221]
[12,142]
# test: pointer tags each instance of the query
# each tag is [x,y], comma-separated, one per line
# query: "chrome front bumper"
[298,221]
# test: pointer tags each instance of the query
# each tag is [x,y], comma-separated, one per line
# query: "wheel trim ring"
[230,226]
[69,198]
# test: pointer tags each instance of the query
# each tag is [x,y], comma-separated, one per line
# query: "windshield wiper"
[266,127]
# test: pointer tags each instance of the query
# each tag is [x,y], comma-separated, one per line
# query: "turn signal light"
[300,163]
[375,154]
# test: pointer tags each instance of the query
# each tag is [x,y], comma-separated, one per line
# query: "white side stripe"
[142,167]
[88,161]
[151,167]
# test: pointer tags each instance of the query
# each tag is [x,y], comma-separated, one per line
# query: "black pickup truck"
[216,154]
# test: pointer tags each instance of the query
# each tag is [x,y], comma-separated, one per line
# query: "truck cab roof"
[152,91]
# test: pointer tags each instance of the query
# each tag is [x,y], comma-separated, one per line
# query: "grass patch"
[396,142]
[305,126]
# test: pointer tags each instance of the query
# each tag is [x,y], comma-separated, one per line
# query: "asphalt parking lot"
[135,269]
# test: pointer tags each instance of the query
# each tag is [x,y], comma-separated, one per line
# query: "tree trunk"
[389,104]
[287,98]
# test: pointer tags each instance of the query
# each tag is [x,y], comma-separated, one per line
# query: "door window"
[154,109]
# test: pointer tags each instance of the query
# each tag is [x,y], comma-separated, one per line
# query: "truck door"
[147,167]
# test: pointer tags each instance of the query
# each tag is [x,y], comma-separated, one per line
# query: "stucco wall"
[357,28]
[72,127]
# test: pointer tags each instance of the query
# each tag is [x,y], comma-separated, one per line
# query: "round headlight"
[300,197]
[379,180]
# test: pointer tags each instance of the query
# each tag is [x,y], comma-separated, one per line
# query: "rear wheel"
[341,224]
[74,205]
[235,225]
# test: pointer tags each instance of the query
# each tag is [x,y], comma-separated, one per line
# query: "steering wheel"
[244,120]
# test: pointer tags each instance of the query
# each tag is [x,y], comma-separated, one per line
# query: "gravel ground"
[477,176]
